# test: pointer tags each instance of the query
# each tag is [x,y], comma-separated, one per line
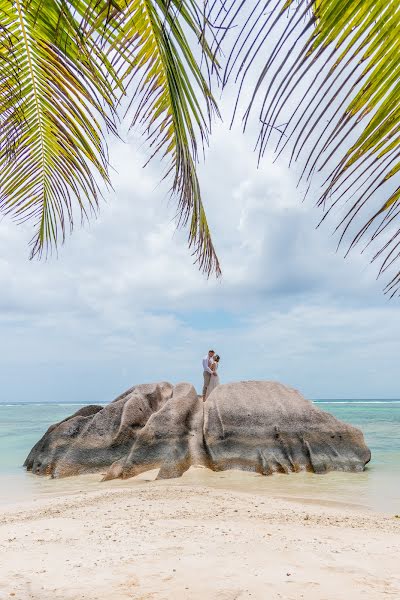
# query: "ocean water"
[378,488]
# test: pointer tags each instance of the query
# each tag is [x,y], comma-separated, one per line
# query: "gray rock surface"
[267,427]
[260,426]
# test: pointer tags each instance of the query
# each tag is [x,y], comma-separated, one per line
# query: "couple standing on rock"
[210,374]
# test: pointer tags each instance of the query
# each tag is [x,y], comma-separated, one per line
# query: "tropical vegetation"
[325,81]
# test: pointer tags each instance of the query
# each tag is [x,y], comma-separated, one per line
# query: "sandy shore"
[166,540]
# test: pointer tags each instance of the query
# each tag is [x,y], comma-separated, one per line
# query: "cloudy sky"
[123,303]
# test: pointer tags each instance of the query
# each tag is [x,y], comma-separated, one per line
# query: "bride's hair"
[216,358]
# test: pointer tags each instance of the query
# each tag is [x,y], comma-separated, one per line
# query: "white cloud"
[124,304]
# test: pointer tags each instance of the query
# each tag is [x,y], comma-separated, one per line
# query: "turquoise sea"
[378,488]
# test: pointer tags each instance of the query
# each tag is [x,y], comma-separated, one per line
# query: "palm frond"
[10,91]
[59,104]
[71,62]
[150,50]
[329,92]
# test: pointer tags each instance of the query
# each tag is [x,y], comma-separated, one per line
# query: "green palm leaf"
[70,64]
[155,61]
[59,103]
[329,91]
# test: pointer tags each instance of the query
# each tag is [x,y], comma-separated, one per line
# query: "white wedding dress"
[214,381]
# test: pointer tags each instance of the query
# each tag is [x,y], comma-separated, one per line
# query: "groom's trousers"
[206,376]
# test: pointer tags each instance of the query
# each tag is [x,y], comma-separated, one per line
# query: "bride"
[214,379]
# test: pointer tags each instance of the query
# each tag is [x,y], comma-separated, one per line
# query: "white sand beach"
[155,540]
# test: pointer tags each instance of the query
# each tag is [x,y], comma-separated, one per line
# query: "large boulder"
[259,426]
[268,427]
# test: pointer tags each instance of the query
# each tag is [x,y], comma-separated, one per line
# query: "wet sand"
[189,539]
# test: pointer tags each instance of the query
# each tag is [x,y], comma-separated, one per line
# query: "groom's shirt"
[206,365]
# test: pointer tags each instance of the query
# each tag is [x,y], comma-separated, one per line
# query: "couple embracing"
[210,373]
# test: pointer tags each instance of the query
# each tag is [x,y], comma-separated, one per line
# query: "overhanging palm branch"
[154,59]
[69,65]
[59,101]
[329,91]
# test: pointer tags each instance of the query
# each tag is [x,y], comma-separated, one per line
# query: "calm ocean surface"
[21,425]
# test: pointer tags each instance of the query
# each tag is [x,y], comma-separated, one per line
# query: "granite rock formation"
[260,426]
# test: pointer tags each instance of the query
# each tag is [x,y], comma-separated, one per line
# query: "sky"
[123,304]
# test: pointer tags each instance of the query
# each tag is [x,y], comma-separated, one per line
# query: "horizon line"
[10,402]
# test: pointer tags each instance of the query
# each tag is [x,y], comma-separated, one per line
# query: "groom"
[207,372]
